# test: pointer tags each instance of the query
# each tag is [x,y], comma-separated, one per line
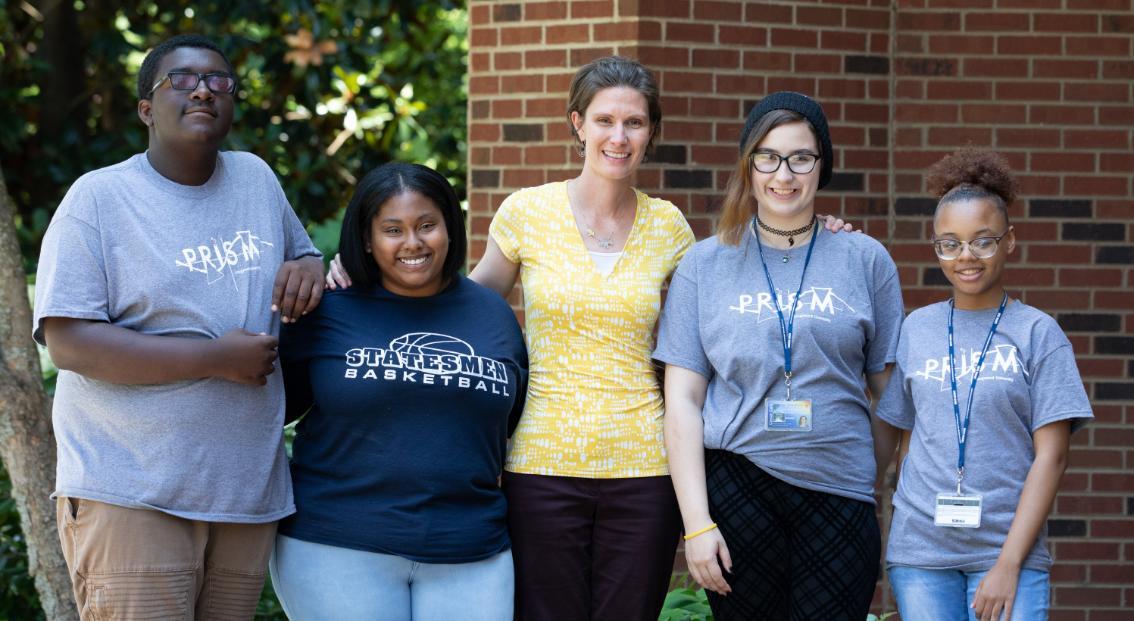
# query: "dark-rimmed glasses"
[218,83]
[981,247]
[798,163]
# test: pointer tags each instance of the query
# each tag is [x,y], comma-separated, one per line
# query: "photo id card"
[957,511]
[783,415]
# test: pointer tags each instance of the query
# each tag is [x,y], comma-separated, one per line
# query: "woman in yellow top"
[591,510]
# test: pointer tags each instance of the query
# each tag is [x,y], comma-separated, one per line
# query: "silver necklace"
[606,243]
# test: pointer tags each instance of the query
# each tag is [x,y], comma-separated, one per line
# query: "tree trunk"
[27,444]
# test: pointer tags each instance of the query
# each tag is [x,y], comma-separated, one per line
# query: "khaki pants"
[142,564]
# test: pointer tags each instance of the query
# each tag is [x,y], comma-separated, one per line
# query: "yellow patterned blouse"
[594,407]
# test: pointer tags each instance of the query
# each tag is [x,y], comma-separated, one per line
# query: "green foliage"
[685,604]
[327,91]
[18,598]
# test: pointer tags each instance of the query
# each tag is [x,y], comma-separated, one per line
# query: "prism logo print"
[221,258]
[821,303]
[1001,363]
[428,358]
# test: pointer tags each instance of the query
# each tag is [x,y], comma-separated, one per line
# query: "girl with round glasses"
[772,332]
[988,393]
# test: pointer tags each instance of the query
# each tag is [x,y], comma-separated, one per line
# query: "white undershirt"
[605,261]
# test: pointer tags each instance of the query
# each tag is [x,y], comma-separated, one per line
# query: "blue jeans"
[315,581]
[947,594]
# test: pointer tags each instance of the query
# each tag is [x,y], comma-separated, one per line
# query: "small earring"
[582,148]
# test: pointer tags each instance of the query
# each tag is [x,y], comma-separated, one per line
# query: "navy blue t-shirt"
[411,402]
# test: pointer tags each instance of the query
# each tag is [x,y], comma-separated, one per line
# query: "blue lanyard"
[963,427]
[787,328]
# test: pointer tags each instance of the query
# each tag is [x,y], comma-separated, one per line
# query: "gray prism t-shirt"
[719,322]
[1029,379]
[129,247]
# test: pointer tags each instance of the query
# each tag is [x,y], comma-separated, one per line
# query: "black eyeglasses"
[981,247]
[218,83]
[798,163]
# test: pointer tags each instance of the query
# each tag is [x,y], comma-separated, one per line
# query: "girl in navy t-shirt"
[409,384]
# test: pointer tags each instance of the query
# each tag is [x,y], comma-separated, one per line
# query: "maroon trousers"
[591,549]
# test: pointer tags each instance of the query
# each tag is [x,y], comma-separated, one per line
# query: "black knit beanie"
[810,109]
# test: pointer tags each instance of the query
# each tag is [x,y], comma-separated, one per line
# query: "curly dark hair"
[147,75]
[973,173]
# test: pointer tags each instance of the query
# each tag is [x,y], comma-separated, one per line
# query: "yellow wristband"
[700,532]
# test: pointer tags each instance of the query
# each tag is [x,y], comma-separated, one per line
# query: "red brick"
[484,132]
[525,83]
[1097,5]
[799,85]
[698,33]
[867,19]
[1038,185]
[1117,163]
[1030,90]
[763,13]
[993,113]
[713,156]
[1116,115]
[1112,482]
[911,44]
[1118,23]
[952,90]
[542,155]
[669,8]
[507,108]
[1120,574]
[545,106]
[1063,68]
[1065,22]
[818,63]
[558,35]
[819,16]
[1115,210]
[1086,596]
[787,37]
[1096,186]
[616,31]
[1062,115]
[959,136]
[841,89]
[1094,459]
[483,85]
[480,62]
[961,44]
[1096,139]
[931,21]
[913,89]
[1060,300]
[1117,69]
[716,58]
[521,35]
[480,15]
[860,159]
[748,83]
[1100,367]
[654,57]
[1066,572]
[482,37]
[582,56]
[880,42]
[1096,91]
[508,61]
[963,4]
[842,40]
[590,10]
[1098,45]
[717,11]
[753,36]
[1028,45]
[701,107]
[538,11]
[1002,67]
[767,61]
[686,81]
[506,156]
[1001,21]
[863,112]
[523,178]
[926,113]
[1062,161]
[1121,300]
[1027,137]
[540,59]
[480,156]
[1093,505]
[687,131]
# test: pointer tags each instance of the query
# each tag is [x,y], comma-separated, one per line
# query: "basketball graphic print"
[430,343]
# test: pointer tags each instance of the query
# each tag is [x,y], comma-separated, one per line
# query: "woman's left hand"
[835,225]
[996,593]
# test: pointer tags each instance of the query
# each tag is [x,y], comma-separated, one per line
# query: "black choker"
[790,235]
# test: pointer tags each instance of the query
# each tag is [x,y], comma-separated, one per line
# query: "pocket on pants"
[131,595]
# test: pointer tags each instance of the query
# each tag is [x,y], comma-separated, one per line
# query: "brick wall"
[1048,82]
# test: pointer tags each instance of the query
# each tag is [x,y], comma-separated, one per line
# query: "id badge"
[783,415]
[957,511]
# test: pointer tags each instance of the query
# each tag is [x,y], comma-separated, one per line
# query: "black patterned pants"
[796,554]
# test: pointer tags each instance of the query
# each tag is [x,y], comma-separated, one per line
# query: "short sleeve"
[888,313]
[1057,390]
[71,278]
[506,227]
[679,333]
[896,405]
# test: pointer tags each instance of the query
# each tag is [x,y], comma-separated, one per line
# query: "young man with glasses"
[158,284]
